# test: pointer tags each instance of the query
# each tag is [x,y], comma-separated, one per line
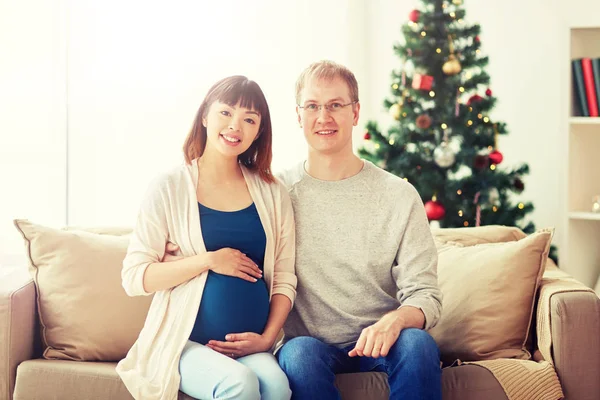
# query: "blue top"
[230,304]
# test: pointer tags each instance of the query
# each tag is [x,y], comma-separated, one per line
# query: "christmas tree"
[445,141]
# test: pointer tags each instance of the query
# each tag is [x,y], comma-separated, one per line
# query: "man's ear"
[299,117]
[356,111]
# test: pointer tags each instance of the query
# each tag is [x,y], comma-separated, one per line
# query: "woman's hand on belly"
[225,261]
[233,262]
[241,344]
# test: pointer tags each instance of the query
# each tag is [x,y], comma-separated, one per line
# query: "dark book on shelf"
[581,108]
[596,70]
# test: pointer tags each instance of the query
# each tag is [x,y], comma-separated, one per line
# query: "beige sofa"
[573,323]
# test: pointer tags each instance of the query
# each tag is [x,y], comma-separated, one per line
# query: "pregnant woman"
[220,303]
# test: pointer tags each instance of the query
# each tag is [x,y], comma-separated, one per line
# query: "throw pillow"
[488,297]
[84,312]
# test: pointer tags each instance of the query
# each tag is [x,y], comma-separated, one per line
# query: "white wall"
[133,75]
[137,72]
[137,77]
[32,118]
[522,40]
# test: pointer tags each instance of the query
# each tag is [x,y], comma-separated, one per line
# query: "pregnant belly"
[230,305]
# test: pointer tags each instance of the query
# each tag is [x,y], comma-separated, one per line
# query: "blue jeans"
[412,366]
[207,374]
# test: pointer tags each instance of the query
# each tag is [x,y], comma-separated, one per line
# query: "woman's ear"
[204,122]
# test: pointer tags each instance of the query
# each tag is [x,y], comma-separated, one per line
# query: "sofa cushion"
[83,309]
[58,379]
[478,235]
[489,293]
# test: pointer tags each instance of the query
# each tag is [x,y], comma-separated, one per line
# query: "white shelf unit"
[580,252]
[586,216]
[584,120]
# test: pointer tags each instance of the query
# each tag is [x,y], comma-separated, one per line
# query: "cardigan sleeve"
[284,277]
[147,243]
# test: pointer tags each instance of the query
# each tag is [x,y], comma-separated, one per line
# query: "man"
[365,258]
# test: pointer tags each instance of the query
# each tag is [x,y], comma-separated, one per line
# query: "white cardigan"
[169,212]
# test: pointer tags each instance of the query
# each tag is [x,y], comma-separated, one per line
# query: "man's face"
[327,131]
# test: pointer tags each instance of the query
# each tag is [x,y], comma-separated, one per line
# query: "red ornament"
[367,136]
[477,39]
[481,161]
[434,210]
[474,99]
[423,121]
[496,157]
[519,185]
[414,16]
[488,92]
[423,82]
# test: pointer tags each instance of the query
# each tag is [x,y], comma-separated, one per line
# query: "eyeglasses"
[332,107]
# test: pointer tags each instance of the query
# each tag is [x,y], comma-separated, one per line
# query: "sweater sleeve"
[147,243]
[415,271]
[284,276]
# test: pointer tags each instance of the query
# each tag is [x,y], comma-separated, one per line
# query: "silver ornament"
[494,197]
[444,156]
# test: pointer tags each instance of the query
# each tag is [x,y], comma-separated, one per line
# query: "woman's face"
[230,130]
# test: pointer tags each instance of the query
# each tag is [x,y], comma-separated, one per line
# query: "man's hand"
[171,249]
[241,344]
[377,339]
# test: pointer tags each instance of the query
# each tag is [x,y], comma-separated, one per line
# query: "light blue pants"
[207,374]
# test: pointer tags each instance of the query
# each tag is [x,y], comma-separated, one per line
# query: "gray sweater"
[363,248]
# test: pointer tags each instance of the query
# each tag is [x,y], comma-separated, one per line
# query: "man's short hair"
[327,70]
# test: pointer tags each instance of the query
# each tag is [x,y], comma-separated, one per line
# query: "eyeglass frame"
[321,106]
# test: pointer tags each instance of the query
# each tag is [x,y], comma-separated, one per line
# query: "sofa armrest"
[17,325]
[568,332]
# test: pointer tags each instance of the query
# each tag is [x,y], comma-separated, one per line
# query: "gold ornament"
[395,111]
[452,66]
